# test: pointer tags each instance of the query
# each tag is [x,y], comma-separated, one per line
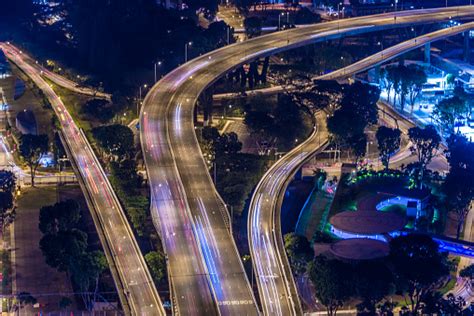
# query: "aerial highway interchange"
[205,270]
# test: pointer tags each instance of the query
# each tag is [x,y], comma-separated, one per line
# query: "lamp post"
[140,98]
[338,10]
[279,20]
[158,63]
[186,51]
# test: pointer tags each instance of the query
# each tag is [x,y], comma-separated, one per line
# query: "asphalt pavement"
[187,209]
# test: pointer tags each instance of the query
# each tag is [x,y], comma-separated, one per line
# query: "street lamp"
[338,11]
[279,20]
[158,63]
[140,98]
[186,51]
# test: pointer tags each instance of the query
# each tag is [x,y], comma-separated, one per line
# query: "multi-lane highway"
[56,78]
[203,262]
[264,208]
[134,283]
[395,51]
[275,279]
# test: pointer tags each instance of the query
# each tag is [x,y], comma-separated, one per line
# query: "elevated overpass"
[134,283]
[56,78]
[205,270]
[264,213]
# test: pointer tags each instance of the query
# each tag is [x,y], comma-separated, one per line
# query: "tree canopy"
[65,247]
[459,184]
[253,26]
[388,141]
[411,256]
[332,282]
[116,140]
[425,142]
[32,148]
[447,111]
[60,217]
[299,251]
[358,109]
[157,264]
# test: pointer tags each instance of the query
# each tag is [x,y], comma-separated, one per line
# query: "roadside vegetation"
[65,247]
[378,286]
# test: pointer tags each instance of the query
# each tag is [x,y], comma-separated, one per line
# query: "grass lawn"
[396,208]
[314,216]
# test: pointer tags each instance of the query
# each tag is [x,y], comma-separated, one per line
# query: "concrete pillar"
[428,53]
[467,47]
[377,74]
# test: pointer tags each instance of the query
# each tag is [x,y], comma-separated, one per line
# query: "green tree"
[448,110]
[411,255]
[394,77]
[416,79]
[388,141]
[286,114]
[85,272]
[99,109]
[425,142]
[459,183]
[7,205]
[253,26]
[60,217]
[126,173]
[63,248]
[357,111]
[32,148]
[332,282]
[373,282]
[8,181]
[116,140]
[156,262]
[7,208]
[299,251]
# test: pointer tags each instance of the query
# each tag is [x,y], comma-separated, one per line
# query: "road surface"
[185,205]
[264,208]
[56,78]
[134,278]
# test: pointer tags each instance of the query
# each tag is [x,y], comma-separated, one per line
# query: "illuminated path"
[133,280]
[205,271]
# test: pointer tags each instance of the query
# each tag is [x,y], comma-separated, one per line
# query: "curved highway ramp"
[205,270]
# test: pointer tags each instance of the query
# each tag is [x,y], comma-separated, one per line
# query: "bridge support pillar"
[377,74]
[428,53]
[467,47]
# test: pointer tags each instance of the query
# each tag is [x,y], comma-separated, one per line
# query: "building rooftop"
[359,249]
[368,222]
